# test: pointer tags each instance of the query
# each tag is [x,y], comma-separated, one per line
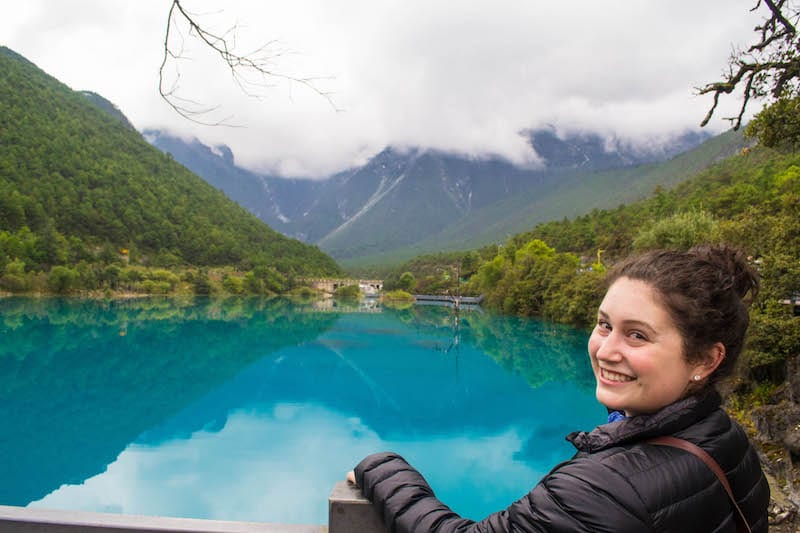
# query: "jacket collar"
[667,421]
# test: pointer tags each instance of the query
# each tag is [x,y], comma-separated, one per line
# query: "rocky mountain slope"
[422,200]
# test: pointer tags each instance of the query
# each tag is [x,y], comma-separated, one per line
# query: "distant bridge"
[370,287]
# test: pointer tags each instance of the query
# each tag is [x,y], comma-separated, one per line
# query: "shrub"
[772,338]
[777,125]
[109,276]
[398,296]
[62,279]
[14,279]
[13,283]
[156,287]
[678,232]
[407,282]
[201,283]
[233,284]
[348,292]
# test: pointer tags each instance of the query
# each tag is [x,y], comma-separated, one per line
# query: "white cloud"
[464,77]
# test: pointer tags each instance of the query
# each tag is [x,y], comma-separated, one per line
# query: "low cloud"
[465,78]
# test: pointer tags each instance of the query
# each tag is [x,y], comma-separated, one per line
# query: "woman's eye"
[638,336]
[603,324]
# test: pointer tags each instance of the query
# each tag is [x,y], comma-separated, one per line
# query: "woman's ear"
[714,356]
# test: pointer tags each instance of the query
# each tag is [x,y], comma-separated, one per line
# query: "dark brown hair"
[706,290]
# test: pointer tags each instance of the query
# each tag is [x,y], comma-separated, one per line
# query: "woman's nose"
[609,348]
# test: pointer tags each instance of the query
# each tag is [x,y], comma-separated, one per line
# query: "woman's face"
[637,351]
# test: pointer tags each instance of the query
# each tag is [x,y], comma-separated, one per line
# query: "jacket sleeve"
[573,497]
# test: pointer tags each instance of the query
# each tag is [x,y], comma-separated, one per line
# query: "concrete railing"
[348,512]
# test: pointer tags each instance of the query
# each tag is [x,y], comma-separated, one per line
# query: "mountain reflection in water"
[251,409]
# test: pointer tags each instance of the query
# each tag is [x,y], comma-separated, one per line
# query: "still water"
[252,409]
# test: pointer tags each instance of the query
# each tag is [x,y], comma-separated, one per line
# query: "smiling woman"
[637,352]
[671,325]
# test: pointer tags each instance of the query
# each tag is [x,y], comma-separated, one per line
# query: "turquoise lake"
[252,409]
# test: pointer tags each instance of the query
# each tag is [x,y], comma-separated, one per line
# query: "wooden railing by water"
[348,512]
[463,300]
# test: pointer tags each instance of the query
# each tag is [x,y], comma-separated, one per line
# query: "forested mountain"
[79,186]
[108,107]
[414,200]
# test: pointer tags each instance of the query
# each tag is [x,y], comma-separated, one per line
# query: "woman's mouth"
[616,377]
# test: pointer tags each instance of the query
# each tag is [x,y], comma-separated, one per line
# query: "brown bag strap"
[741,522]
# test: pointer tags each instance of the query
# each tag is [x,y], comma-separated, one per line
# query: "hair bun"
[735,271]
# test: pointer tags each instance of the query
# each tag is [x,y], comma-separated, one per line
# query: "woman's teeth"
[614,376]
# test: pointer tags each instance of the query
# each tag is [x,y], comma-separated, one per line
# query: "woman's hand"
[351,477]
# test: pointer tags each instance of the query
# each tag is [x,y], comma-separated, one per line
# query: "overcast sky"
[464,76]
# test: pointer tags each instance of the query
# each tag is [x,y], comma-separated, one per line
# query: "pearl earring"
[697,377]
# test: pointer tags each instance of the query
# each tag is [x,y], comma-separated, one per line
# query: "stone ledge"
[31,520]
[350,512]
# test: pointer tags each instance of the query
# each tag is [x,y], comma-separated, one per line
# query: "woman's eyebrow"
[629,322]
[638,324]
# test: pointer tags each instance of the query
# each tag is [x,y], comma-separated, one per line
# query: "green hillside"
[78,186]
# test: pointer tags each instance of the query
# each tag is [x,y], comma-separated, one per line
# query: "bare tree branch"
[252,72]
[777,15]
[769,67]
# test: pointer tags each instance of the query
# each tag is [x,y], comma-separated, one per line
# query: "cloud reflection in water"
[277,467]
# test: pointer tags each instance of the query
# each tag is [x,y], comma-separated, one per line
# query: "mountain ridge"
[413,198]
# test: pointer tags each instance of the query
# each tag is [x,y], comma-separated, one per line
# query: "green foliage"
[271,280]
[489,274]
[407,282]
[14,279]
[535,280]
[150,286]
[780,275]
[62,280]
[778,125]
[201,283]
[397,296]
[16,267]
[252,284]
[110,276]
[233,284]
[762,394]
[303,293]
[78,185]
[773,337]
[680,231]
[348,292]
[165,276]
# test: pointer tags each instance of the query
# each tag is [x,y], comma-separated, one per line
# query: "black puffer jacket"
[614,483]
